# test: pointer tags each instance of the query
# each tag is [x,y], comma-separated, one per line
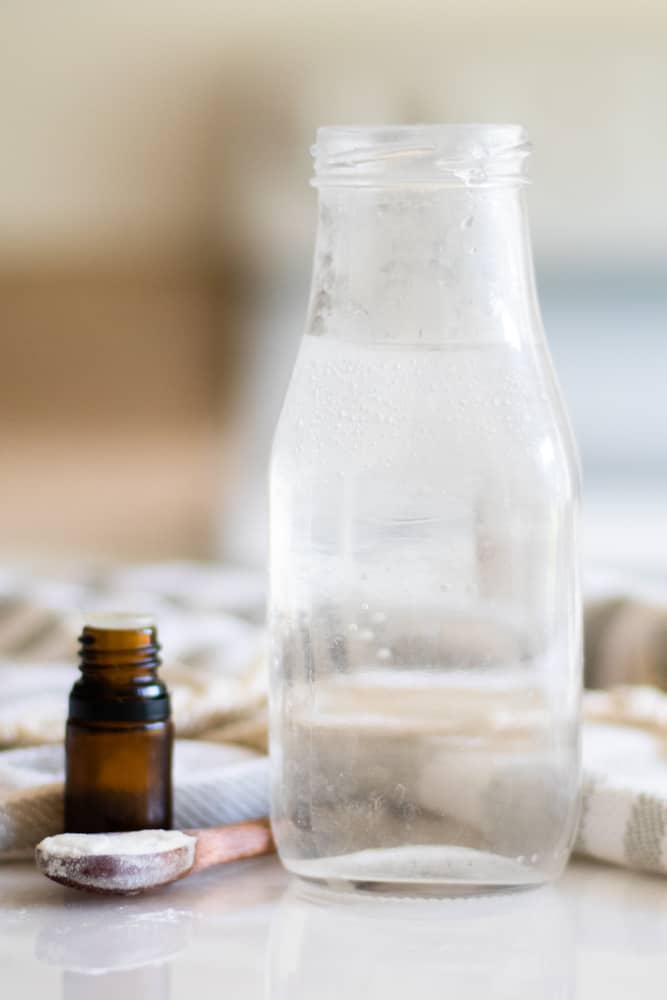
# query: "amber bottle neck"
[118,655]
[119,679]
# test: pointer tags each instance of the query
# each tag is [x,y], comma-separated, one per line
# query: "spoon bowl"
[129,863]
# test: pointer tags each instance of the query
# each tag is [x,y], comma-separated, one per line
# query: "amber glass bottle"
[119,732]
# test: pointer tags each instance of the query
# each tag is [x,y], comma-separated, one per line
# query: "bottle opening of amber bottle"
[119,732]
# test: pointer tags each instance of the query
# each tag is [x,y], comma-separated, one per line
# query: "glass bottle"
[119,732]
[424,603]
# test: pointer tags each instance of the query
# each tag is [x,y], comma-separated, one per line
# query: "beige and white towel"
[213,784]
[208,622]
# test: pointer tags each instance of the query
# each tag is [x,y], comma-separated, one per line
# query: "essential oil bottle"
[119,731]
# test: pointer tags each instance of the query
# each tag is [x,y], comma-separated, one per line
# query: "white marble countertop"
[239,932]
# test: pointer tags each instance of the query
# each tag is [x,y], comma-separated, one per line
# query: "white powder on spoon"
[77,845]
[116,862]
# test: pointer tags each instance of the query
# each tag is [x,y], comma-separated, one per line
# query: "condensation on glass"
[425,605]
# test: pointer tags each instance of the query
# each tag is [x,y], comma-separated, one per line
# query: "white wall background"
[129,126]
[153,130]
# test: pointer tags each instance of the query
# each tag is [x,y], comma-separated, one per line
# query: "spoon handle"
[221,844]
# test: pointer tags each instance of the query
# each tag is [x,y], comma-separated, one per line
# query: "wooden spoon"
[130,863]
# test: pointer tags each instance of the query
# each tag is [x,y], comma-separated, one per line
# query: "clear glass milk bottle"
[425,606]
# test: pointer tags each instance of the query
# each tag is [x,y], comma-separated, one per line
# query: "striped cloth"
[209,629]
[624,796]
[213,784]
[209,624]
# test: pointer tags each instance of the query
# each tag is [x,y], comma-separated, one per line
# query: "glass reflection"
[507,947]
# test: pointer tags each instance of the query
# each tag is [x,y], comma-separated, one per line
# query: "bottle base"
[419,870]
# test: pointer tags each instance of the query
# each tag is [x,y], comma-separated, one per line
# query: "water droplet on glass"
[384,654]
[367,635]
[353,627]
[379,617]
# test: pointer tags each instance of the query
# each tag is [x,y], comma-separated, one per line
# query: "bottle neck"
[119,679]
[424,265]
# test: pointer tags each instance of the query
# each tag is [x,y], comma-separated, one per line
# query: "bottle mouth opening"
[119,621]
[457,155]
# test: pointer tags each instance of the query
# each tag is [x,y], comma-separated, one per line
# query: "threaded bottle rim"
[452,155]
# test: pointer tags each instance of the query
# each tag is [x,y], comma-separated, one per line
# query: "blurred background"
[156,230]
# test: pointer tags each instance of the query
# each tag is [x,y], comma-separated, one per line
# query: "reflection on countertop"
[600,932]
[514,945]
